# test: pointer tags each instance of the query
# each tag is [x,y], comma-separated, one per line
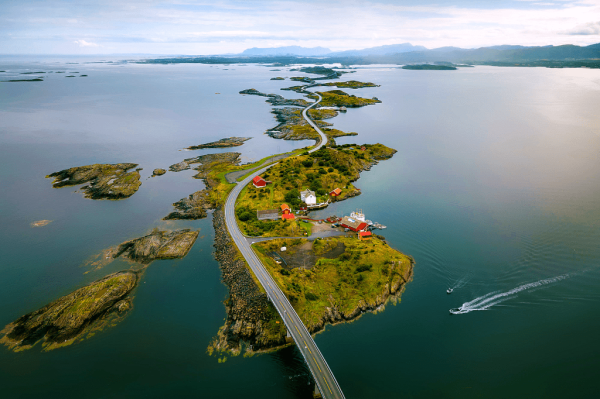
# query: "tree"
[307,163]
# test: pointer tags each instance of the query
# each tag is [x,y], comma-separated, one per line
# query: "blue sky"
[218,27]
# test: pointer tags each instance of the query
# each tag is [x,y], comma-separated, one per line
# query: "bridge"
[324,379]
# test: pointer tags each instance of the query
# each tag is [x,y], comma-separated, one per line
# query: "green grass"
[338,282]
[338,98]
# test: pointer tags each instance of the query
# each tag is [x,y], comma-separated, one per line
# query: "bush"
[321,192]
[364,268]
[360,278]
[310,296]
[245,216]
[330,170]
[322,171]
[292,197]
[307,163]
[284,272]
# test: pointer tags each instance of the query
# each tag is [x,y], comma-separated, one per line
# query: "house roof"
[268,212]
[337,191]
[257,179]
[354,224]
[307,192]
[288,216]
[285,206]
[365,233]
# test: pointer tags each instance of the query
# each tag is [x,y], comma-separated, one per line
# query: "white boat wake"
[494,298]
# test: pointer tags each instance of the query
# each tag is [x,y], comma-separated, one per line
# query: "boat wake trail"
[494,298]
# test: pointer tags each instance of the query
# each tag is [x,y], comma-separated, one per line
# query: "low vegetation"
[321,172]
[351,84]
[339,98]
[362,277]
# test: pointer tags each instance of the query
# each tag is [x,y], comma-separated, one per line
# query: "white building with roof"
[308,197]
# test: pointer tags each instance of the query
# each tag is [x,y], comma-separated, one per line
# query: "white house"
[308,197]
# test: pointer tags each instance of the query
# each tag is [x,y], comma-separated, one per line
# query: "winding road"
[321,372]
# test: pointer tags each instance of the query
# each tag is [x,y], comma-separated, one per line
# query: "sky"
[219,27]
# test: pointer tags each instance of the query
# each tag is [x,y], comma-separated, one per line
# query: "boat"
[455,311]
[449,290]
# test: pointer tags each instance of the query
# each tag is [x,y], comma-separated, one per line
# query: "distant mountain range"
[289,50]
[322,51]
[407,53]
[565,56]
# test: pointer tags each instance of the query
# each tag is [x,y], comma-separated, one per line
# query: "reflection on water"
[493,190]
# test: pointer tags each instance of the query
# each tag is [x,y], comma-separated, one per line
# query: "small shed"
[259,182]
[285,209]
[268,214]
[336,192]
[364,235]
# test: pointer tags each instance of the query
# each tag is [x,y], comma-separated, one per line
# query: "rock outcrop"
[158,172]
[106,181]
[223,143]
[66,319]
[158,245]
[196,204]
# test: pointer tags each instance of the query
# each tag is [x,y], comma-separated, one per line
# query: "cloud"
[83,43]
[591,28]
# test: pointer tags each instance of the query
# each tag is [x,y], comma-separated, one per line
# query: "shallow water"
[494,187]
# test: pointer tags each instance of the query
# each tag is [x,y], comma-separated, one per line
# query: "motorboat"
[449,290]
[455,311]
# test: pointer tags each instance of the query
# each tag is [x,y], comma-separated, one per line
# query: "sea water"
[493,191]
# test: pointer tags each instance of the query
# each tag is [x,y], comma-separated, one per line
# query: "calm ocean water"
[494,190]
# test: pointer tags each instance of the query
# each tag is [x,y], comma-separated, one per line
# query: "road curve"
[314,359]
[314,125]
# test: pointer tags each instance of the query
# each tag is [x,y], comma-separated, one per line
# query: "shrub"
[310,296]
[307,163]
[284,272]
[364,268]
[360,278]
[245,216]
[322,171]
[330,170]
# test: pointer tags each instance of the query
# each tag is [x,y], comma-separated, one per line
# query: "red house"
[353,224]
[335,192]
[288,216]
[259,182]
[285,209]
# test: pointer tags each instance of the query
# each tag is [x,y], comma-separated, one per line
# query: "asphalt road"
[310,122]
[312,355]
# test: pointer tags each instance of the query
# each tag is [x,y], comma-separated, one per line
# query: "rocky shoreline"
[248,309]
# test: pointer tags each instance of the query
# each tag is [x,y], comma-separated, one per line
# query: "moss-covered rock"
[158,245]
[107,181]
[63,321]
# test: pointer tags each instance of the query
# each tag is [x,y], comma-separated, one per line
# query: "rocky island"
[106,181]
[81,313]
[223,143]
[72,316]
